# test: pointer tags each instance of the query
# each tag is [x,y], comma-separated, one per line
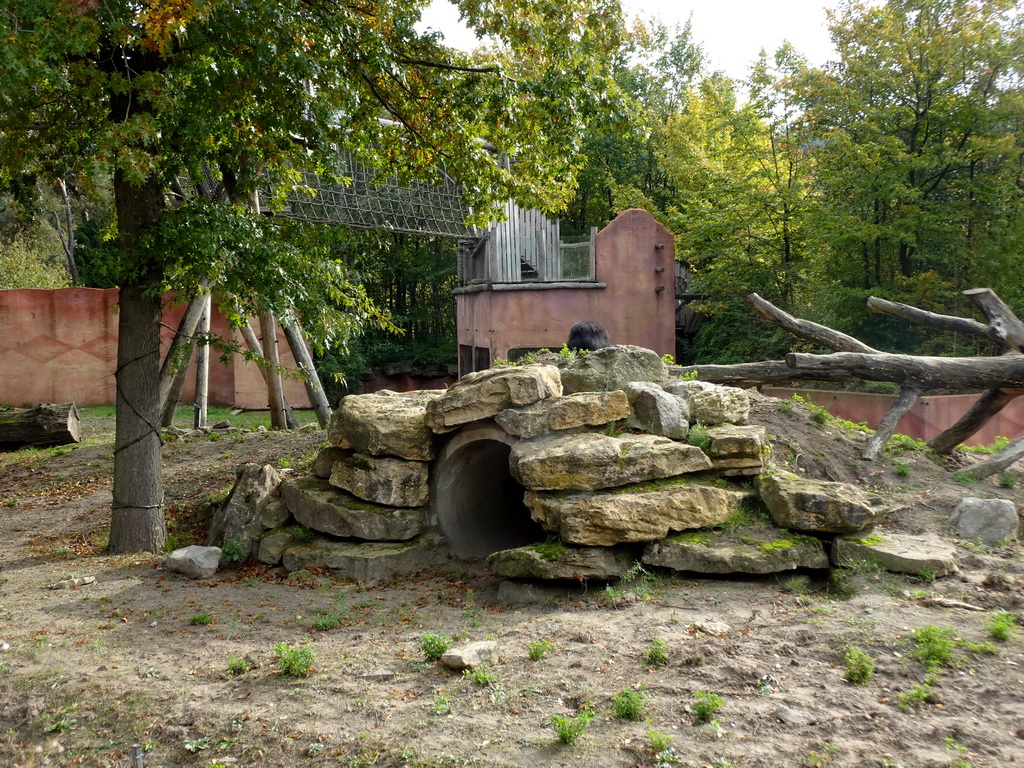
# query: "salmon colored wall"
[60,346]
[929,417]
[629,306]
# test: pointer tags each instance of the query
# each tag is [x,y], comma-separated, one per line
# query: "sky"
[732,32]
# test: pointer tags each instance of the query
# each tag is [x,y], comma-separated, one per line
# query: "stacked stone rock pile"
[615,461]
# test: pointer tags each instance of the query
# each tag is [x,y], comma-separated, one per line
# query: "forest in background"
[896,170]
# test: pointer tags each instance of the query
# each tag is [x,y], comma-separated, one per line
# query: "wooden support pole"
[202,368]
[281,416]
[901,407]
[314,388]
[175,365]
[998,462]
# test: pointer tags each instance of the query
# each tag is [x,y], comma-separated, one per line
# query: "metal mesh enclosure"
[373,203]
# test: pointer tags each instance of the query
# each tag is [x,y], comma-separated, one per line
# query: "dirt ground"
[89,671]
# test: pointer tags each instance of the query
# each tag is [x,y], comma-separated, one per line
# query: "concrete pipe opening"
[479,504]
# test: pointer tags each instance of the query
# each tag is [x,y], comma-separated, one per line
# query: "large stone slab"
[816,506]
[480,395]
[323,465]
[239,518]
[368,562]
[591,461]
[713,403]
[738,450]
[613,368]
[318,505]
[632,514]
[385,424]
[482,653]
[899,553]
[992,522]
[755,549]
[589,409]
[559,562]
[383,480]
[657,411]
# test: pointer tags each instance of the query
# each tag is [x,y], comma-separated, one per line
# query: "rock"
[613,368]
[482,394]
[753,549]
[239,519]
[378,675]
[898,553]
[195,561]
[736,450]
[557,561]
[632,515]
[82,581]
[385,424]
[483,653]
[713,403]
[272,546]
[589,409]
[590,461]
[794,717]
[383,480]
[657,411]
[716,628]
[323,465]
[274,514]
[817,506]
[368,562]
[317,504]
[991,522]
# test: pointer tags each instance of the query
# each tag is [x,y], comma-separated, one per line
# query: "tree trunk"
[997,462]
[137,513]
[175,365]
[901,407]
[202,367]
[310,378]
[46,424]
[921,372]
[280,414]
[991,402]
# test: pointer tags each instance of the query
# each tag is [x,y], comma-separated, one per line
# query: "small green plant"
[698,436]
[816,759]
[566,355]
[656,654]
[957,753]
[238,665]
[328,620]
[538,649]
[434,646]
[629,704]
[62,724]
[901,469]
[1007,480]
[481,676]
[200,619]
[690,375]
[668,359]
[859,666]
[294,662]
[300,534]
[1000,625]
[934,646]
[662,751]
[916,696]
[705,707]
[568,729]
[197,745]
[233,552]
[441,705]
[966,478]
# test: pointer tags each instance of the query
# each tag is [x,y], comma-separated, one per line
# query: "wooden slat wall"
[525,236]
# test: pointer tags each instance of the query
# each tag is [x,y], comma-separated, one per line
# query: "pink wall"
[930,416]
[60,346]
[630,306]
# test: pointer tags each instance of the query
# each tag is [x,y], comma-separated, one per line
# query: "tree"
[160,90]
[916,136]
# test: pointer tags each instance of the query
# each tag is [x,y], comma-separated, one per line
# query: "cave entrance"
[479,505]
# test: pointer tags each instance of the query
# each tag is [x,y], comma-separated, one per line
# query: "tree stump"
[46,424]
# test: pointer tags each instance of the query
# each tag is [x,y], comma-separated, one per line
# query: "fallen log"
[43,425]
[746,375]
[919,371]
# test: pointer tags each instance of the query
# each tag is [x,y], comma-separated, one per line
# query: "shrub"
[629,704]
[538,649]
[705,707]
[238,665]
[294,662]
[859,666]
[1000,625]
[200,619]
[656,654]
[569,729]
[434,646]
[698,436]
[233,552]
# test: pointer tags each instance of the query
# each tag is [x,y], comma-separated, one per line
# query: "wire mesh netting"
[370,202]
